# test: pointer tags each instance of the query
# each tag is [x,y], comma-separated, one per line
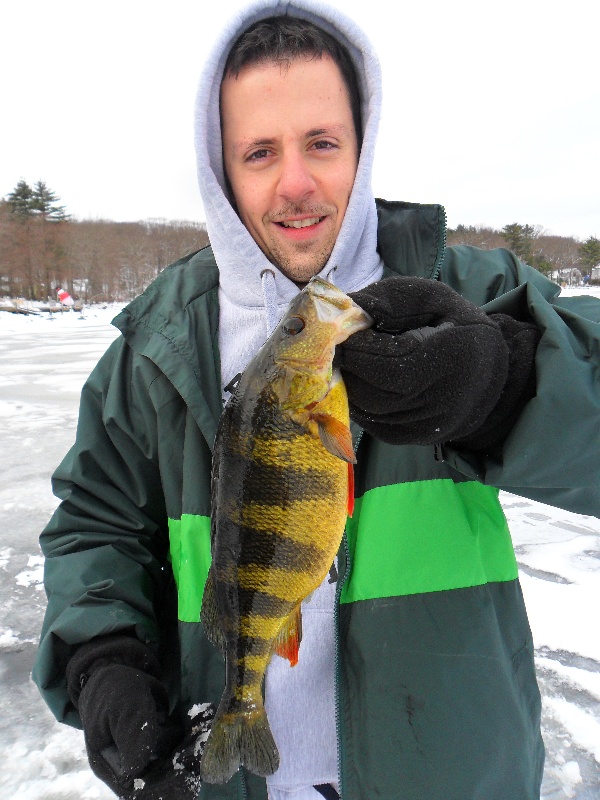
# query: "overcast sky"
[492,109]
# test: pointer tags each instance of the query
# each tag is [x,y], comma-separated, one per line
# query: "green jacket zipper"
[243,786]
[442,232]
[341,580]
[336,615]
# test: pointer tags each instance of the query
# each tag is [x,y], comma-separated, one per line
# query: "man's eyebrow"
[247,144]
[329,130]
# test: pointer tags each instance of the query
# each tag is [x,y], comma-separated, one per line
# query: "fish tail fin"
[259,752]
[239,739]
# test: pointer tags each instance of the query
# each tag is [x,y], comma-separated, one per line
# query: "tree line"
[532,244]
[42,249]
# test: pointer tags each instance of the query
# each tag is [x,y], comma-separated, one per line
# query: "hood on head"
[241,262]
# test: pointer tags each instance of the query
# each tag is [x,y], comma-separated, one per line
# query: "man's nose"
[295,179]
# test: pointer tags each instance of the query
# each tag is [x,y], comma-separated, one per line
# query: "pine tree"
[19,200]
[519,239]
[39,201]
[43,203]
[37,213]
[589,253]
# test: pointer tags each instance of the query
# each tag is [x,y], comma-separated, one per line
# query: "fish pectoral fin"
[350,509]
[287,643]
[209,616]
[335,436]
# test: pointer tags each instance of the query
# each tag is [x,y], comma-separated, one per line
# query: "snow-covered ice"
[43,364]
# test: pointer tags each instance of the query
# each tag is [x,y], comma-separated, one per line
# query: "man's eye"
[257,155]
[321,145]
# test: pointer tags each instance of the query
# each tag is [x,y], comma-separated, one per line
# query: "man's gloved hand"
[114,683]
[434,367]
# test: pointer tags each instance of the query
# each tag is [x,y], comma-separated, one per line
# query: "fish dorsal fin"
[209,615]
[287,643]
[335,436]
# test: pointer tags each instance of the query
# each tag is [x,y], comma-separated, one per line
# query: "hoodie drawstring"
[269,289]
[331,275]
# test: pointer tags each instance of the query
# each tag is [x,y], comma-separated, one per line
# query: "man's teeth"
[300,223]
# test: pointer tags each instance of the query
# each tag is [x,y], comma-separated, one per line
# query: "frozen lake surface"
[43,364]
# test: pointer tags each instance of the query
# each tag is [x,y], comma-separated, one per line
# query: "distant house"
[568,277]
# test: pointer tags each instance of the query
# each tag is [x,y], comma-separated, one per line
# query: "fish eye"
[293,325]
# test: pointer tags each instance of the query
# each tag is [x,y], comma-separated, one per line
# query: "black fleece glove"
[114,683]
[435,368]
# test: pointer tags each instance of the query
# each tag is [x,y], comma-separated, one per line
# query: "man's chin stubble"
[289,266]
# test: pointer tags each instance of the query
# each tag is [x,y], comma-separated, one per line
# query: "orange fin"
[287,643]
[350,489]
[336,436]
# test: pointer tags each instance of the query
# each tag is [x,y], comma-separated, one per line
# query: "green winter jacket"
[436,690]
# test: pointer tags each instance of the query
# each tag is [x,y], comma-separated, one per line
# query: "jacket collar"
[175,324]
[411,238]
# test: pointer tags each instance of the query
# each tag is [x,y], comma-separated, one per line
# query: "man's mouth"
[300,223]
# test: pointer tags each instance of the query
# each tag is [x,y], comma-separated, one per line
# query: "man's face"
[290,153]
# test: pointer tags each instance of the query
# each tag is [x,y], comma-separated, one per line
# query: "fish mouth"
[334,306]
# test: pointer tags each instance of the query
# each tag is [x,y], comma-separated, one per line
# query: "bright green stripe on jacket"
[427,536]
[190,556]
[396,548]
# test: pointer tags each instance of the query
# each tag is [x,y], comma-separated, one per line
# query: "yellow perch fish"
[281,492]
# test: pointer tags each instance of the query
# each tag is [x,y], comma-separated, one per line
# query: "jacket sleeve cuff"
[522,339]
[114,649]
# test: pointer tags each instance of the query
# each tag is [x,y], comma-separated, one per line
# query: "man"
[416,676]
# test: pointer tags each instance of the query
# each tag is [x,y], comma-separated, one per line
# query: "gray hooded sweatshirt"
[253,294]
